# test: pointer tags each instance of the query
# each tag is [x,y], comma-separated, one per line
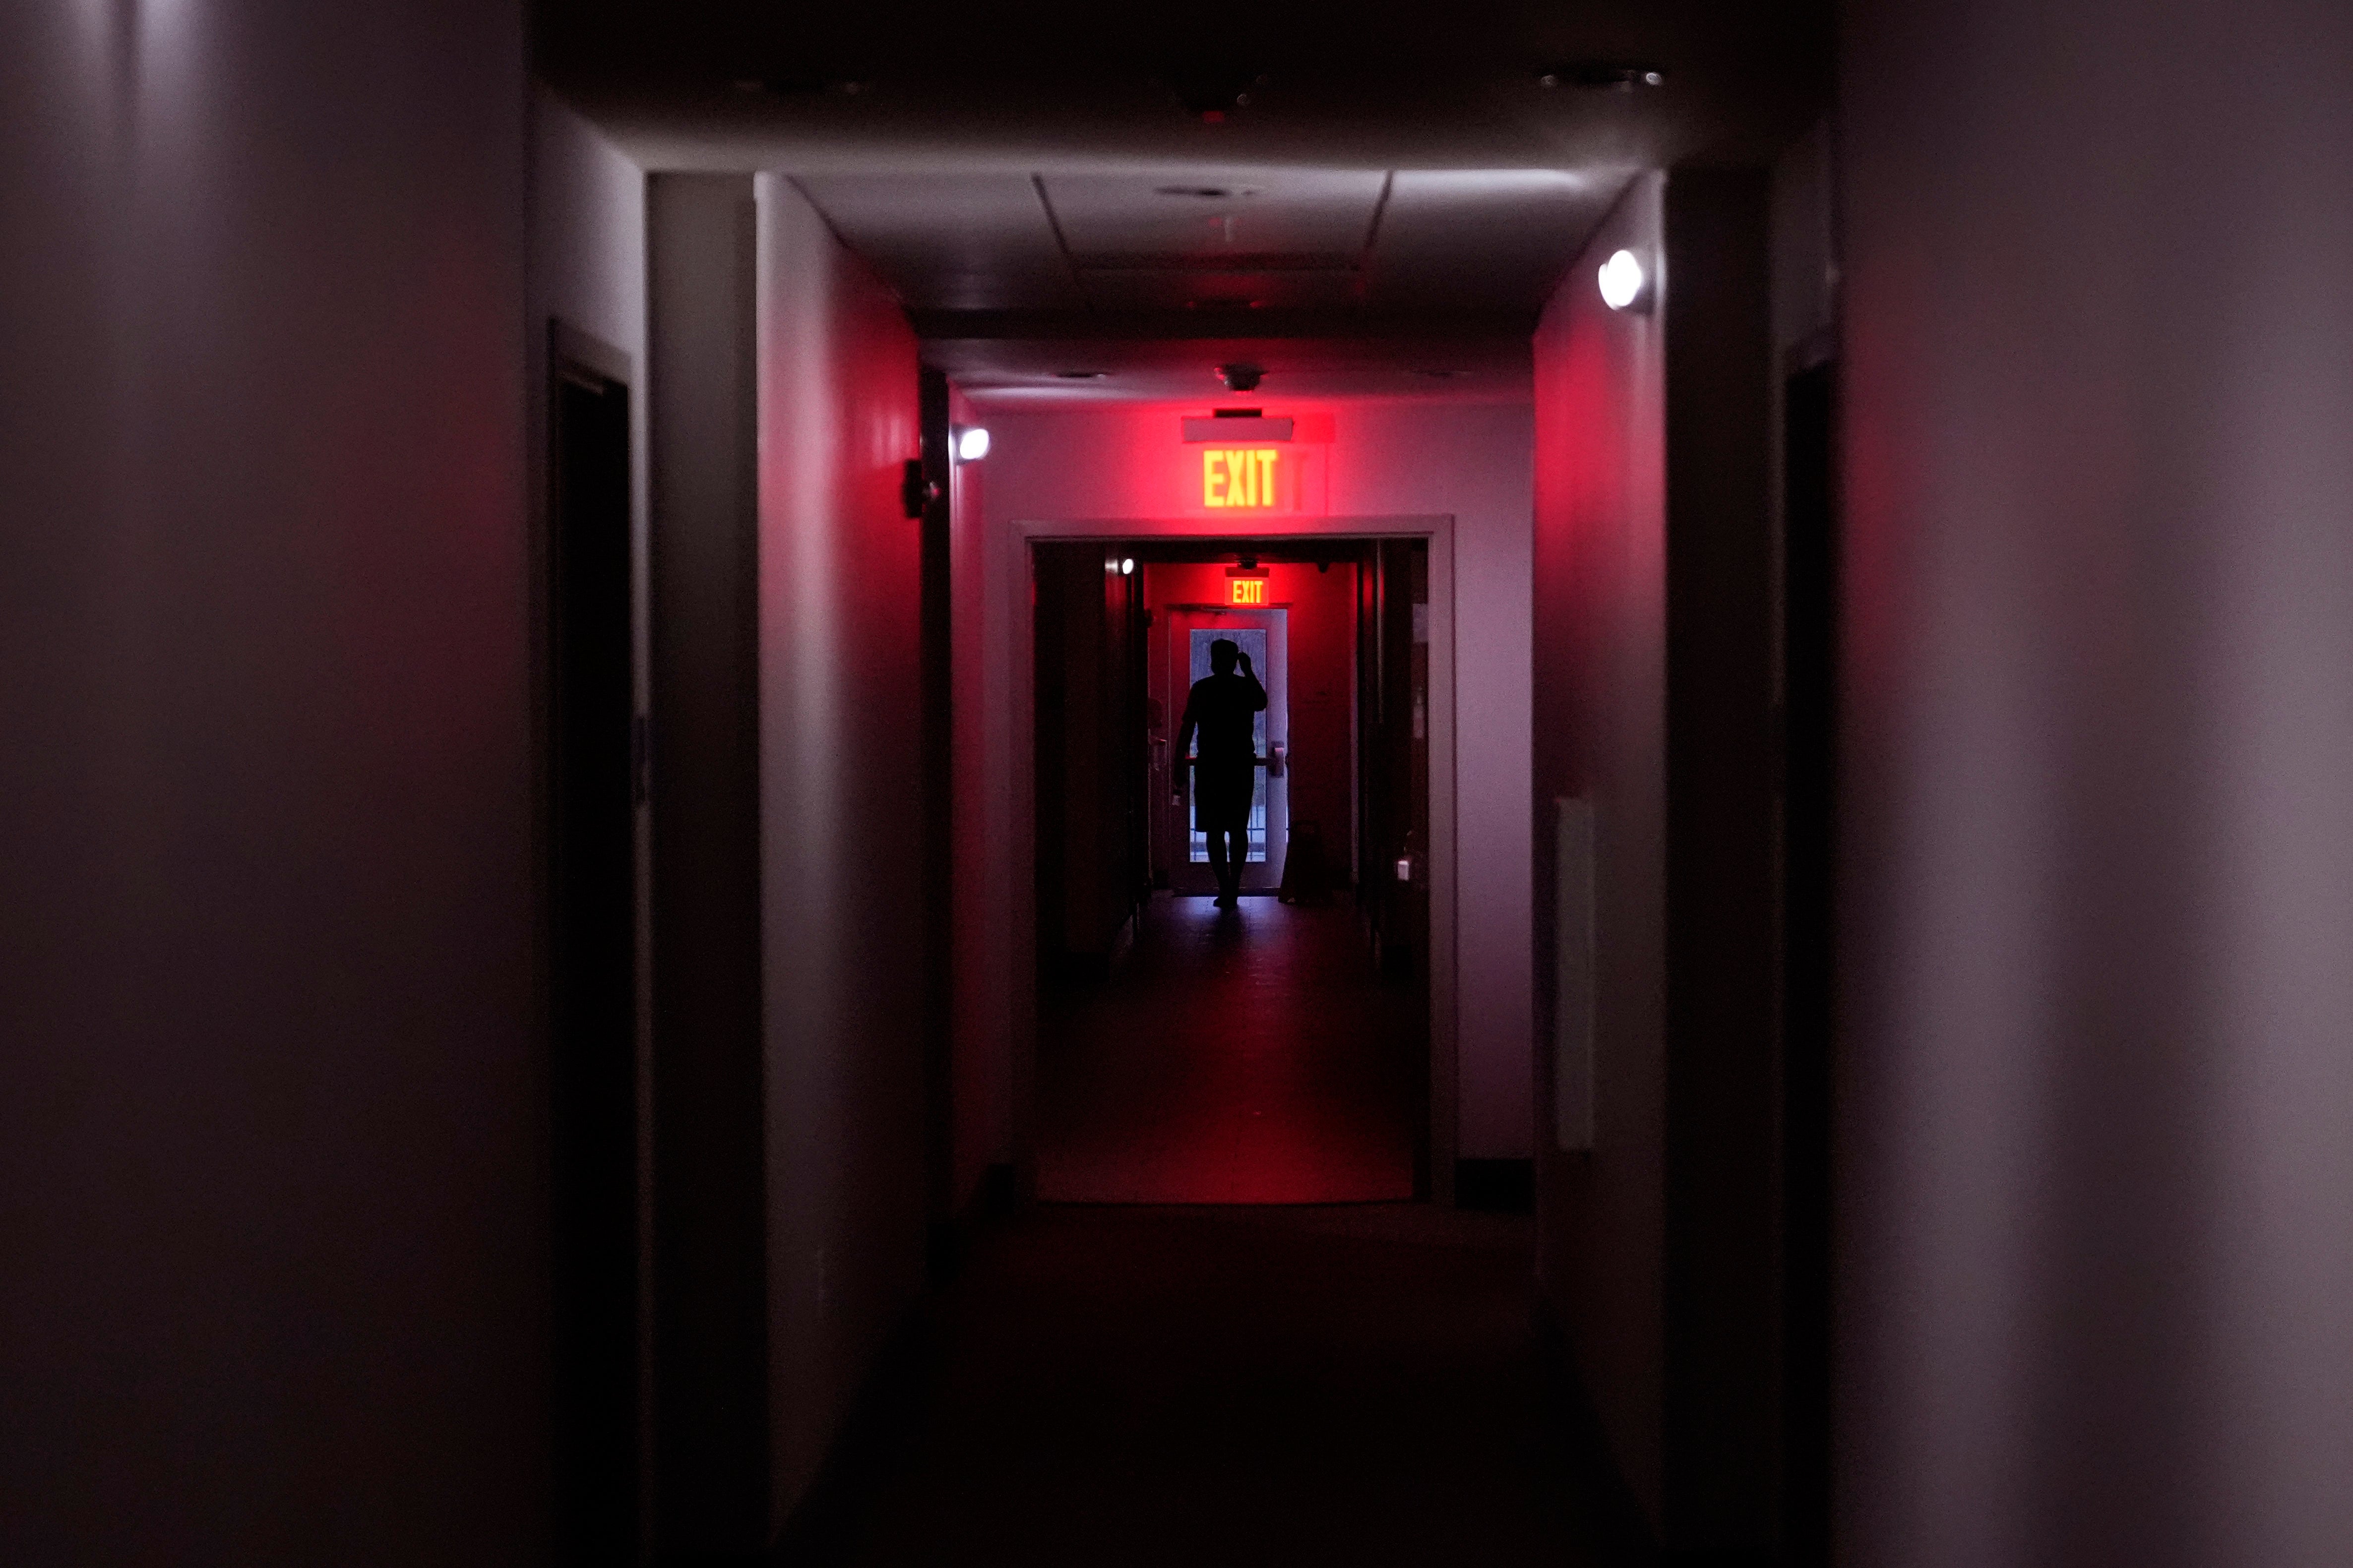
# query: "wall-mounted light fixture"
[971,443]
[1622,280]
[1127,565]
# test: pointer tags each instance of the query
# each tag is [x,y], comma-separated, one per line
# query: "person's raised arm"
[1257,692]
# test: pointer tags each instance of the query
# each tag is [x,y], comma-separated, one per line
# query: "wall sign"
[1248,591]
[1244,478]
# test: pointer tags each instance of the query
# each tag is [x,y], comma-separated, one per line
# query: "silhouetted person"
[1222,709]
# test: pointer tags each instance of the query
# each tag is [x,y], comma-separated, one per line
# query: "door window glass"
[1252,640]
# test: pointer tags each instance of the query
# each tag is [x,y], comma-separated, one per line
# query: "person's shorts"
[1222,799]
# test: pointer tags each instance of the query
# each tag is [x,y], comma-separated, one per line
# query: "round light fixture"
[1621,279]
[972,444]
[1127,565]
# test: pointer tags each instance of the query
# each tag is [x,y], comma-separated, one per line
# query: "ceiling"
[1454,367]
[1336,282]
[1354,196]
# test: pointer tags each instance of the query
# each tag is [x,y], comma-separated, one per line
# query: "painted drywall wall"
[981,1036]
[842,879]
[587,219]
[1723,812]
[1601,708]
[1656,702]
[1384,458]
[271,1103]
[2097,1161]
[587,230]
[710,1136]
[587,281]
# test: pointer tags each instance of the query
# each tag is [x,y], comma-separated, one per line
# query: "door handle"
[1277,758]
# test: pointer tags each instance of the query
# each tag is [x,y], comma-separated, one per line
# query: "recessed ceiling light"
[1208,193]
[799,86]
[1080,375]
[1624,75]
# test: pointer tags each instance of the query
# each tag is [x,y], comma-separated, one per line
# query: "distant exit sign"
[1244,478]
[1246,591]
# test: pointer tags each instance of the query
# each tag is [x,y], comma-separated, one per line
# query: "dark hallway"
[563,892]
[1230,1386]
[1246,1057]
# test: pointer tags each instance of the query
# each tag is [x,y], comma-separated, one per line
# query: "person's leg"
[1235,858]
[1218,867]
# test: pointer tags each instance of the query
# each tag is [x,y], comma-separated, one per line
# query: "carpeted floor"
[1222,1388]
[1251,1056]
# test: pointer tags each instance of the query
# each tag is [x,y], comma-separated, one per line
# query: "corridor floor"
[1143,1387]
[1242,1056]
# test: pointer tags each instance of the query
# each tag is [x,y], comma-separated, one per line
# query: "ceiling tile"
[1476,239]
[1226,292]
[952,241]
[1300,216]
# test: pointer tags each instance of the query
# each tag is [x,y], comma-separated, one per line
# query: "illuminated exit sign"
[1244,478]
[1246,591]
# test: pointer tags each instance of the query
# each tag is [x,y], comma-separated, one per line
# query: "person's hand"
[1246,665]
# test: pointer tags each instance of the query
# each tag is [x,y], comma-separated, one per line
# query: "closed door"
[1260,634]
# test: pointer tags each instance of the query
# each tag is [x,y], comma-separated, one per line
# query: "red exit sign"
[1245,591]
[1245,477]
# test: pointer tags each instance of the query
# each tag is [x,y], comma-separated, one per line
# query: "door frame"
[1438,530]
[570,354]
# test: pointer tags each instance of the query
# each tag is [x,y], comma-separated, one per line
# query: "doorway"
[1263,637]
[595,758]
[1285,1051]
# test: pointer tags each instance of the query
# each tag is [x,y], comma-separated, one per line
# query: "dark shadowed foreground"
[1260,1386]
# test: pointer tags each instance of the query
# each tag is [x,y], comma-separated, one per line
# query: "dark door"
[1090,741]
[592,924]
[1393,787]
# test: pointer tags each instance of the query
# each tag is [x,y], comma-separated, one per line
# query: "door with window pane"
[1261,635]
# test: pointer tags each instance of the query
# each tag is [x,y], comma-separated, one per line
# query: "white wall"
[1601,662]
[2098,893]
[982,963]
[587,260]
[1655,702]
[842,879]
[271,1099]
[1387,459]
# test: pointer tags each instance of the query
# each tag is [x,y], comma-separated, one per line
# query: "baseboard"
[997,1194]
[1495,1187]
[885,1415]
[888,1408]
[1624,1534]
